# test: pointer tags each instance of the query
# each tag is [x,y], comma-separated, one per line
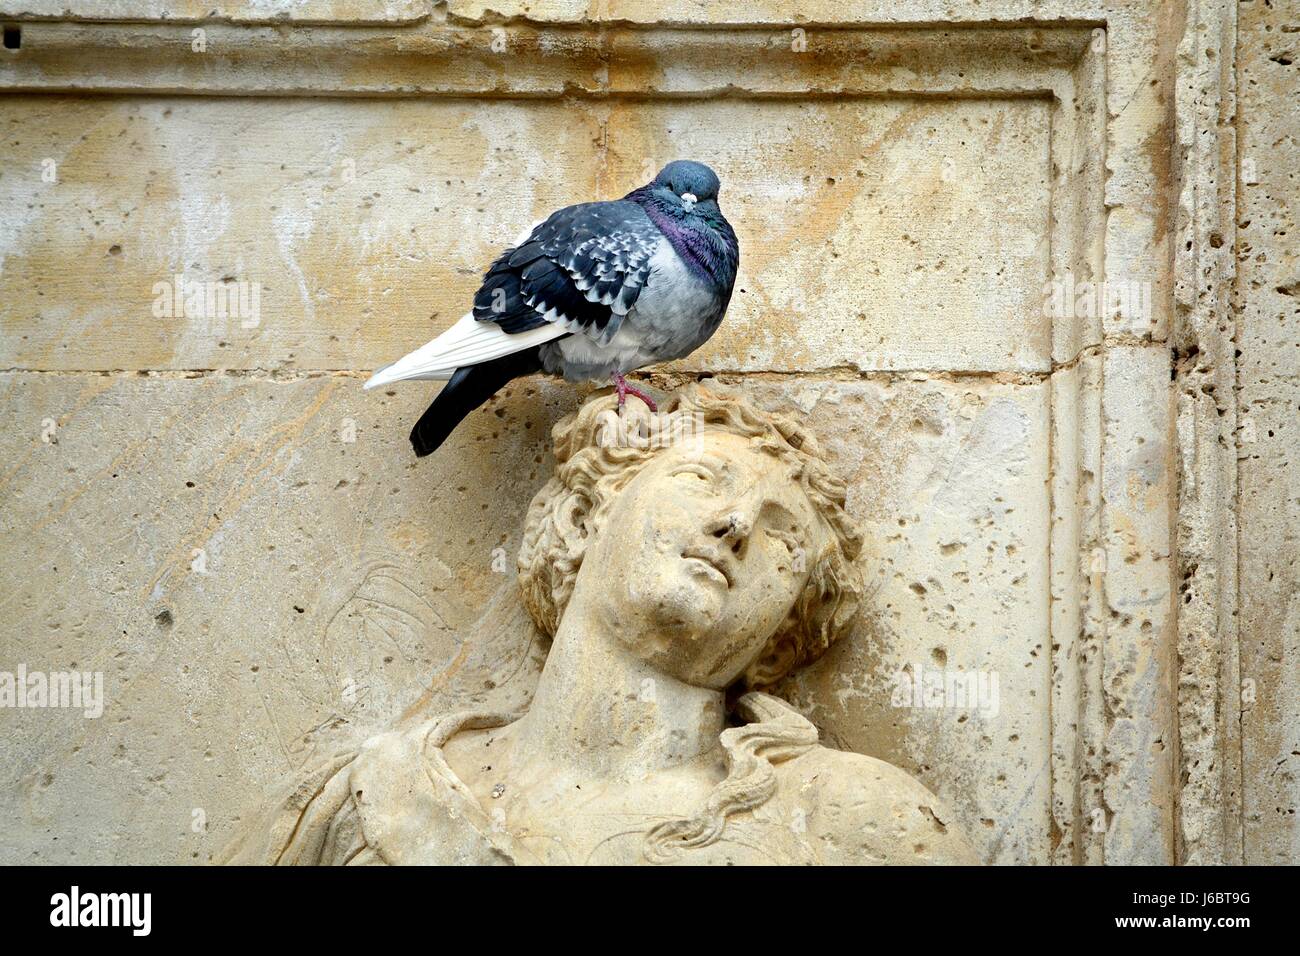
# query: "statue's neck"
[600,710]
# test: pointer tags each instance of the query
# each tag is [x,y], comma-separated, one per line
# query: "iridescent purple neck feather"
[707,246]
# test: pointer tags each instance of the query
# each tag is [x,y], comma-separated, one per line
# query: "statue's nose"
[734,526]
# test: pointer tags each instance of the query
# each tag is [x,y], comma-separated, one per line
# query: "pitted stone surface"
[211,512]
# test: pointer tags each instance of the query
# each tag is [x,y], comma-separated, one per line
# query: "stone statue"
[682,562]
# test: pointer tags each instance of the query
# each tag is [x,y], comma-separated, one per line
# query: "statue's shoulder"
[391,800]
[295,828]
[864,810]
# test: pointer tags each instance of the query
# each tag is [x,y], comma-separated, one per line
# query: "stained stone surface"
[950,480]
[250,11]
[360,248]
[1268,401]
[369,233]
[210,511]
[848,232]
[253,586]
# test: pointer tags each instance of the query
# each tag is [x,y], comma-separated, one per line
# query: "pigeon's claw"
[624,390]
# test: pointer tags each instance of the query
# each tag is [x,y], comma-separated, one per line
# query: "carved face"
[701,558]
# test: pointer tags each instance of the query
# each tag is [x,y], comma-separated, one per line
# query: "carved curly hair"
[572,507]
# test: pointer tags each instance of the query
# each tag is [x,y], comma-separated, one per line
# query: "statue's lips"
[710,560]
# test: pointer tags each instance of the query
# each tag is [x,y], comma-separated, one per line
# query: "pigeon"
[593,292]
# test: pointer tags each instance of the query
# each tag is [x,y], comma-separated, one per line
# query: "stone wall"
[1267,307]
[210,512]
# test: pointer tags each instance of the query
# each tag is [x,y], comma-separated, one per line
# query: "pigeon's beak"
[689,200]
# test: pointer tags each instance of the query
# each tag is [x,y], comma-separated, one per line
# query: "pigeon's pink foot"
[624,390]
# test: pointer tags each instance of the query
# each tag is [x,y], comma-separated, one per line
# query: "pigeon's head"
[687,184]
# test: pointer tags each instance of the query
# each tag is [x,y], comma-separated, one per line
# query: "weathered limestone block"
[237,11]
[371,245]
[256,568]
[360,227]
[361,169]
[1268,403]
[950,480]
[1138,660]
[854,218]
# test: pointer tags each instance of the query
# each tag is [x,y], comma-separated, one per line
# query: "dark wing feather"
[582,268]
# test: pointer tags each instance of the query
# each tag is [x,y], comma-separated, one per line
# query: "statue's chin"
[684,608]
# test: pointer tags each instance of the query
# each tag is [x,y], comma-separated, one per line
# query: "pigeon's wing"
[582,270]
[468,342]
[579,272]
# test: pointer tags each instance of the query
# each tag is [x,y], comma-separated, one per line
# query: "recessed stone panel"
[259,570]
[875,235]
[362,228]
[900,234]
[951,482]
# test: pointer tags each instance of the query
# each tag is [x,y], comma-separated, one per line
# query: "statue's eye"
[791,539]
[694,472]
[783,537]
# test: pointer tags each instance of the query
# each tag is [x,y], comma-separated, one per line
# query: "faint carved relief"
[681,563]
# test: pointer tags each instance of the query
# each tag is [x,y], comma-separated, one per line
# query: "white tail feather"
[467,342]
